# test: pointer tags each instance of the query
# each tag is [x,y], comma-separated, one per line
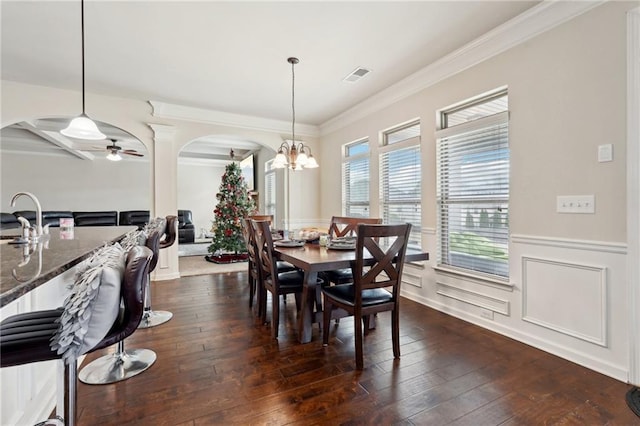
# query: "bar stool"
[123,364]
[153,318]
[26,338]
[170,232]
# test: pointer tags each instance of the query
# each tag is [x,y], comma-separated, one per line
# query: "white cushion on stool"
[93,305]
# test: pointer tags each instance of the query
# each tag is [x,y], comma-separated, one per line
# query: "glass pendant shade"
[114,156]
[280,161]
[302,159]
[311,163]
[82,127]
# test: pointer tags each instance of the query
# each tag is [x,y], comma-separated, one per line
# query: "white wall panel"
[566,297]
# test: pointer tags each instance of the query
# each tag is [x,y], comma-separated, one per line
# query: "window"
[269,189]
[355,179]
[400,179]
[473,186]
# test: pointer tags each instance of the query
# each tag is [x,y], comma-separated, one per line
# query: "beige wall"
[566,97]
[567,289]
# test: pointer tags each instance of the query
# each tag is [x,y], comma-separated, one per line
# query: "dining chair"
[376,283]
[255,284]
[254,274]
[343,226]
[277,283]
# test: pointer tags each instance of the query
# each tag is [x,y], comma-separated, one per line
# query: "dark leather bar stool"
[26,338]
[170,232]
[123,364]
[153,318]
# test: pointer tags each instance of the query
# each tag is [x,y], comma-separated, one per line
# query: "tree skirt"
[227,258]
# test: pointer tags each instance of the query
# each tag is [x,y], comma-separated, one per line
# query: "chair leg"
[70,409]
[275,315]
[117,366]
[326,318]
[358,340]
[150,317]
[252,289]
[262,309]
[395,332]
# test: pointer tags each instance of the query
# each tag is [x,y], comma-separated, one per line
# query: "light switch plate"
[605,153]
[576,204]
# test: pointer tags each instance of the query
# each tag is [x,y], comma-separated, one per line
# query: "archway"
[201,164]
[72,174]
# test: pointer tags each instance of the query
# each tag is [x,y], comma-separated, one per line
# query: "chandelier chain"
[293,103]
[82,38]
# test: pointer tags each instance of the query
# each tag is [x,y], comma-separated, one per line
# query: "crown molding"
[200,115]
[535,21]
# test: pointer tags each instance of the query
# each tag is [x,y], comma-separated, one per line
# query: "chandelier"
[294,154]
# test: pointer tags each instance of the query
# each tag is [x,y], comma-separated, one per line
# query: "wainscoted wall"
[567,297]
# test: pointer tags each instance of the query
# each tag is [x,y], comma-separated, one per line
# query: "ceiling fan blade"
[132,152]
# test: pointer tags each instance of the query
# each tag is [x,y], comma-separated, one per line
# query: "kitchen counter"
[25,267]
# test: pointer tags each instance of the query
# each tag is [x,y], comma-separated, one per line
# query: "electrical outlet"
[486,313]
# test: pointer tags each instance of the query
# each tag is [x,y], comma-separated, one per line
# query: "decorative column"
[165,194]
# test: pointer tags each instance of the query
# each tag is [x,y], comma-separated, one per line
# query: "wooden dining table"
[313,259]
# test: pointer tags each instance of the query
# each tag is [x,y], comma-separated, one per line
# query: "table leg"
[306,315]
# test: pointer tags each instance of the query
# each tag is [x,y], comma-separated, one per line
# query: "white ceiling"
[231,56]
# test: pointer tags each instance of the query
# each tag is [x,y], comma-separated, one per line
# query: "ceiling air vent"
[356,74]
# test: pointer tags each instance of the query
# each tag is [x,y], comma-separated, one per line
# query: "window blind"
[473,197]
[269,190]
[355,181]
[400,186]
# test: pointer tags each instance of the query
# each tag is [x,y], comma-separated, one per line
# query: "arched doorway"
[73,174]
[201,164]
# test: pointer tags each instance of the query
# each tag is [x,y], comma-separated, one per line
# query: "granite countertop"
[23,267]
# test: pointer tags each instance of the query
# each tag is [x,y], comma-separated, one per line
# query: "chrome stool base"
[153,318]
[117,366]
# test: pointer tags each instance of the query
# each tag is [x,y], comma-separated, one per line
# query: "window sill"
[503,284]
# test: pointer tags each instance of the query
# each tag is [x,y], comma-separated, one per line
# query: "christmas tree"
[234,204]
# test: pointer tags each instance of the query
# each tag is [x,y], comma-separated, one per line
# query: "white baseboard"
[615,371]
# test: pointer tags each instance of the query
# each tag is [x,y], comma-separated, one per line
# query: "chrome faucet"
[38,230]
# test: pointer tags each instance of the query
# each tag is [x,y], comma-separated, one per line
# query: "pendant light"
[82,127]
[294,155]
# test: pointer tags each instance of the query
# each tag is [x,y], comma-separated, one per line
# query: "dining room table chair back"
[253,272]
[345,226]
[377,276]
[262,217]
[277,283]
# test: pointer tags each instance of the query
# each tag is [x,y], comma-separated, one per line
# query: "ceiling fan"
[115,151]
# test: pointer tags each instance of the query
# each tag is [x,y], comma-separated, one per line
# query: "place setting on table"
[310,236]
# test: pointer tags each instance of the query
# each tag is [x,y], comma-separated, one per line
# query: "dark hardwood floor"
[218,365]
